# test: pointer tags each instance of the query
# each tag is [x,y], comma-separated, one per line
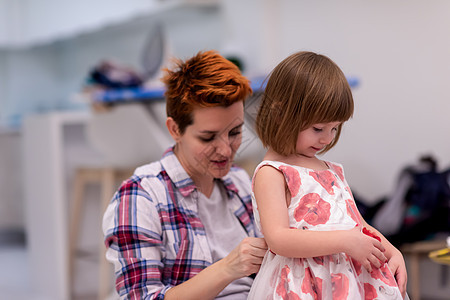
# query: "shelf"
[150,94]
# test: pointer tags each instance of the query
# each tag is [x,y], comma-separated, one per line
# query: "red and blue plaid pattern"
[153,234]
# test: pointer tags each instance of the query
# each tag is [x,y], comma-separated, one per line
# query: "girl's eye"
[317,129]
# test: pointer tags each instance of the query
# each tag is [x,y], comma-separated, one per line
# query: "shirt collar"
[181,179]
[229,185]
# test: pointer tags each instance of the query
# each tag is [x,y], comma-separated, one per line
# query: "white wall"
[399,50]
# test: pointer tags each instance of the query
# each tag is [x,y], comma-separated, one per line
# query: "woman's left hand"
[397,266]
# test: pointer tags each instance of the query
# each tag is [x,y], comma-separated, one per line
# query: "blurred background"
[81,106]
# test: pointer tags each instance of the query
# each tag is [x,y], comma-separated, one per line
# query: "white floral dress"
[321,200]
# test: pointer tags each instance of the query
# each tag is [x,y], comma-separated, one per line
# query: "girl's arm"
[270,193]
[395,259]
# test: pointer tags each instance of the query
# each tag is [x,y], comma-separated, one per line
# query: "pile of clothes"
[419,207]
[112,75]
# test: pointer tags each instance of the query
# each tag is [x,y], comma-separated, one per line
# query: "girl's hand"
[397,266]
[367,250]
[246,258]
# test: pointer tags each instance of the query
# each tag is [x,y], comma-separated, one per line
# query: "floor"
[15,283]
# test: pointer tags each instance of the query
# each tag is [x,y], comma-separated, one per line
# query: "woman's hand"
[365,249]
[397,266]
[246,258]
[242,261]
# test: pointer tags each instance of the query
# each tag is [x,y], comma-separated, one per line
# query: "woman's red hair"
[205,80]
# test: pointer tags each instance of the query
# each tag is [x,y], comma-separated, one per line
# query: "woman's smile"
[220,163]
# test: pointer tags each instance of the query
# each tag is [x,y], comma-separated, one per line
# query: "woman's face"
[207,147]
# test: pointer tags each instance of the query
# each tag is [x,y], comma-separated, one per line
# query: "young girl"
[320,246]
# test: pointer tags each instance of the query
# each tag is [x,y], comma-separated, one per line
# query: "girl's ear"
[173,128]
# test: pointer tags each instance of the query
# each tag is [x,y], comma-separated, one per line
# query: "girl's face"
[315,138]
[207,147]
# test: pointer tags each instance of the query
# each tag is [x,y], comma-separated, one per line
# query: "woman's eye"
[207,139]
[235,132]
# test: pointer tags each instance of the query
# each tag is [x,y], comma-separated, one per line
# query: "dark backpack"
[419,208]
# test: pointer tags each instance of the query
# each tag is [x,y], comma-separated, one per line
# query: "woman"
[182,227]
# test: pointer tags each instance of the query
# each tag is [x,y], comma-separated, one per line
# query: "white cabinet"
[49,142]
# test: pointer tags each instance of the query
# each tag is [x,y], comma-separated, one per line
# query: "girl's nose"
[327,138]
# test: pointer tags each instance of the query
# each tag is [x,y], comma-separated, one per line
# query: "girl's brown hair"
[205,80]
[304,89]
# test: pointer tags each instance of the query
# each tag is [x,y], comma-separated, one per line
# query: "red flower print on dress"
[318,260]
[283,286]
[339,285]
[352,211]
[292,178]
[384,274]
[299,261]
[347,188]
[326,179]
[339,171]
[371,234]
[312,285]
[370,293]
[357,266]
[312,209]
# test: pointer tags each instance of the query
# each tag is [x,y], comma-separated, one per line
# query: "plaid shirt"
[153,234]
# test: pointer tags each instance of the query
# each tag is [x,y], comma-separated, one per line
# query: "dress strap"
[290,173]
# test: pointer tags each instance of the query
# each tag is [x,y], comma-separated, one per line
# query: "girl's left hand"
[397,266]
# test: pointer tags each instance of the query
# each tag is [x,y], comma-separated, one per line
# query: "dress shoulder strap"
[290,173]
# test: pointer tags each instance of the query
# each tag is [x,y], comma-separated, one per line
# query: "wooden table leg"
[108,180]
[415,276]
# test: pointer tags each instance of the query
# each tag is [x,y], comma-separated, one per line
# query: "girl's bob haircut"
[304,89]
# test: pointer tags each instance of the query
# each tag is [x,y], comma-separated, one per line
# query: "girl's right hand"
[365,249]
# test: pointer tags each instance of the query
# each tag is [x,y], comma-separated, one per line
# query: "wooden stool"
[416,251]
[107,178]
